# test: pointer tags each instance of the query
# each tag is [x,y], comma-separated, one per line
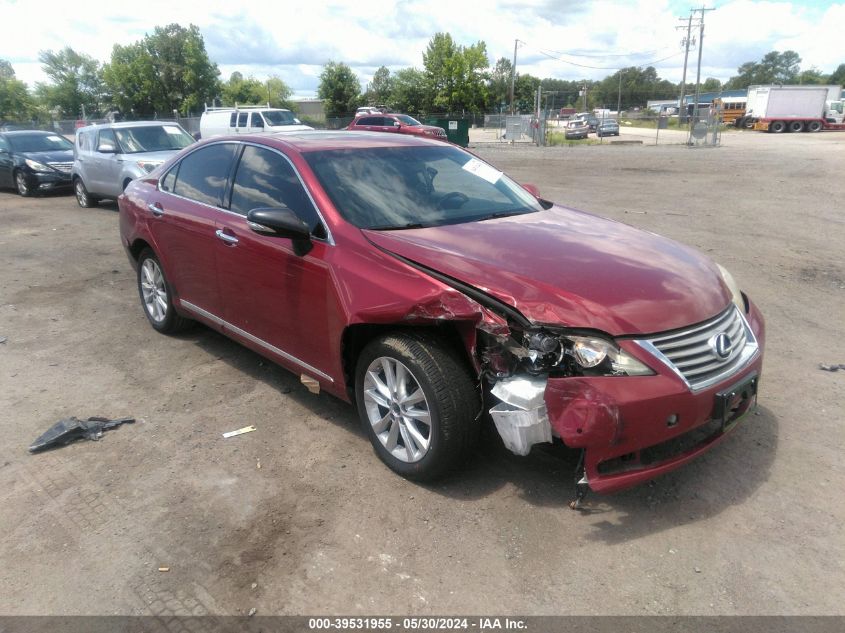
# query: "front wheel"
[22,185]
[156,297]
[417,402]
[83,198]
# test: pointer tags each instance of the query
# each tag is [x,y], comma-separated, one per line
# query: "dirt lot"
[754,527]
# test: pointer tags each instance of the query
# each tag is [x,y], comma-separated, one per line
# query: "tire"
[83,198]
[22,185]
[776,127]
[739,122]
[157,296]
[416,364]
[796,126]
[814,126]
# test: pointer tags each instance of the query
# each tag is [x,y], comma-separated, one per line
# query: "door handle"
[229,239]
[156,209]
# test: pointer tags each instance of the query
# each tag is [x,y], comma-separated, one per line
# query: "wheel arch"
[456,334]
[138,246]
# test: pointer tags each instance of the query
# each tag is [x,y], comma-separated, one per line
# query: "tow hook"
[582,486]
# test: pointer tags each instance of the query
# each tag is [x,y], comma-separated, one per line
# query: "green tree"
[837,77]
[76,82]
[251,91]
[407,91]
[455,75]
[339,88]
[499,85]
[168,70]
[711,84]
[16,103]
[380,87]
[774,68]
[811,76]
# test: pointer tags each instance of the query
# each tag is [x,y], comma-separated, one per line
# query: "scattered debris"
[835,367]
[697,570]
[3,339]
[258,464]
[164,569]
[251,612]
[254,585]
[71,429]
[246,429]
[312,385]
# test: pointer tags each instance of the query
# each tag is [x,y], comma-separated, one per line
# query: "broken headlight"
[580,356]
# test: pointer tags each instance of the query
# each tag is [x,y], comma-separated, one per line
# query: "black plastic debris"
[71,429]
[834,367]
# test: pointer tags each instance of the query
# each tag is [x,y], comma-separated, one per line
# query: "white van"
[248,120]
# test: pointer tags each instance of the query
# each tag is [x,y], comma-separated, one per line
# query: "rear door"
[6,163]
[278,299]
[183,223]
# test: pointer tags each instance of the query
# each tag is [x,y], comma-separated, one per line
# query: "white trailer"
[793,108]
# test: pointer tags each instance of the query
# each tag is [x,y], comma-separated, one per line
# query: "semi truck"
[793,109]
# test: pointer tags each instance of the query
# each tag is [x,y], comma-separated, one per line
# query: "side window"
[170,179]
[257,121]
[266,179]
[4,144]
[106,137]
[233,119]
[242,119]
[368,120]
[202,174]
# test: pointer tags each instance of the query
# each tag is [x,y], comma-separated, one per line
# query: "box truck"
[793,109]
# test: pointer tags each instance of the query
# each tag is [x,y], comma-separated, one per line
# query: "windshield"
[409,187]
[38,143]
[279,117]
[408,120]
[152,138]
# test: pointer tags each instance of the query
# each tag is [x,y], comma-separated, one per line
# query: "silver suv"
[108,157]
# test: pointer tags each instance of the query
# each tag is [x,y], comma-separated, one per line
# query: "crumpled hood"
[571,268]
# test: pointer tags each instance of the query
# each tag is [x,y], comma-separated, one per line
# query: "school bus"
[730,108]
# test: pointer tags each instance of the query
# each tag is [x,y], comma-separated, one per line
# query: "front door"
[270,292]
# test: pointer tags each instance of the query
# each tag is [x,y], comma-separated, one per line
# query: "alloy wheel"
[153,290]
[20,183]
[397,409]
[81,193]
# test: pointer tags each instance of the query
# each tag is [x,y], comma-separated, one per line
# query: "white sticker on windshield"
[54,138]
[482,170]
[172,129]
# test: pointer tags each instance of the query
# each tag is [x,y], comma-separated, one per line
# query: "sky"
[563,39]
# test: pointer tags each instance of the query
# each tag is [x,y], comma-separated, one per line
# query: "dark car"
[409,277]
[589,119]
[607,127]
[32,161]
[397,123]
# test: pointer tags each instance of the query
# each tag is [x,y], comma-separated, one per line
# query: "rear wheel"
[22,185]
[83,198]
[156,296]
[417,402]
[796,126]
[777,127]
[814,126]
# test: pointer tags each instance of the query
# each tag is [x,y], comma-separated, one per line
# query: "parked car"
[33,161]
[576,128]
[409,277]
[589,119]
[607,127]
[107,157]
[400,123]
[248,120]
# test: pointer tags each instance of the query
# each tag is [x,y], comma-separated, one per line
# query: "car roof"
[125,124]
[29,132]
[319,140]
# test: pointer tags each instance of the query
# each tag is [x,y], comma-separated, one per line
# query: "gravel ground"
[301,517]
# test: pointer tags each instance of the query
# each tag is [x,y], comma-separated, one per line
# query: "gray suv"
[108,157]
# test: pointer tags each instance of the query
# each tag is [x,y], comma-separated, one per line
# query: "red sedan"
[411,278]
[396,123]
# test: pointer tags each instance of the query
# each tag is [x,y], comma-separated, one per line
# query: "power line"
[600,56]
[566,61]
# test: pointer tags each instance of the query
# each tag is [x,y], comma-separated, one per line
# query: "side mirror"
[396,124]
[532,189]
[281,222]
[106,148]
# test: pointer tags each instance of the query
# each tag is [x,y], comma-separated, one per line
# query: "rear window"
[152,138]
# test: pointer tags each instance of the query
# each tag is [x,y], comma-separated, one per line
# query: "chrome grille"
[62,167]
[692,352]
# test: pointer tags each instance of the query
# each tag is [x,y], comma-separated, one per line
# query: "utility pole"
[513,71]
[619,98]
[686,41]
[700,49]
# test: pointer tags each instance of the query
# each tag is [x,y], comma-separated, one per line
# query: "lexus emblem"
[721,345]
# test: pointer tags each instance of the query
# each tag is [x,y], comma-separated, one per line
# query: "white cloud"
[294,39]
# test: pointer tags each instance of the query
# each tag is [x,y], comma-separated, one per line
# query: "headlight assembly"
[34,165]
[580,355]
[736,293]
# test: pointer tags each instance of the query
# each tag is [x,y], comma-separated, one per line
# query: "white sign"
[483,170]
[453,125]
